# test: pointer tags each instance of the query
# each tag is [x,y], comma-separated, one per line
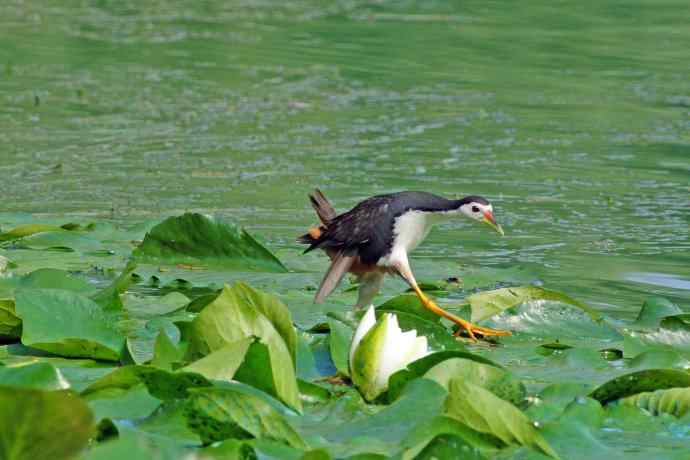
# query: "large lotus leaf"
[631,432]
[160,383]
[109,297]
[62,241]
[550,403]
[659,359]
[24,230]
[167,424]
[485,412]
[397,381]
[408,303]
[222,413]
[37,375]
[42,425]
[640,381]
[347,427]
[272,308]
[118,403]
[653,310]
[152,306]
[554,323]
[137,446]
[10,323]
[671,334]
[674,401]
[339,344]
[45,278]
[489,303]
[195,239]
[577,433]
[166,354]
[421,443]
[67,324]
[222,363]
[227,320]
[495,379]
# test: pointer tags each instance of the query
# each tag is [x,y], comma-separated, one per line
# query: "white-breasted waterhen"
[374,237]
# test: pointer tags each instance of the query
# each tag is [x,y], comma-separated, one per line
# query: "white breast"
[410,230]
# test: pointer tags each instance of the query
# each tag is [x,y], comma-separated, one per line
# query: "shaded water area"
[572,119]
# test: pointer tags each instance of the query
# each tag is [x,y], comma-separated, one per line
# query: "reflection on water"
[574,122]
[660,279]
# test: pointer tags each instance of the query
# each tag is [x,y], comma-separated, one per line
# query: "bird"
[374,238]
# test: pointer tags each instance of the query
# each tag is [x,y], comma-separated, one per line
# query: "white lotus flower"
[379,349]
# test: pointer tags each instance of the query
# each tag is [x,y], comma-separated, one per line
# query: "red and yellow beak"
[491,222]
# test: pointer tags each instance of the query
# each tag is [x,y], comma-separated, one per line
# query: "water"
[573,119]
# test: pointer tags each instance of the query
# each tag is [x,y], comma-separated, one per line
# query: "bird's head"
[478,208]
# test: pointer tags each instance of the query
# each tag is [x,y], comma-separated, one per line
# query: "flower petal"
[366,323]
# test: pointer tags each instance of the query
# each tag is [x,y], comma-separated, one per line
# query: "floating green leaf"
[228,319]
[222,363]
[421,443]
[41,425]
[38,376]
[495,379]
[199,240]
[653,310]
[410,304]
[489,303]
[339,344]
[10,323]
[160,383]
[416,369]
[640,381]
[67,324]
[221,413]
[485,412]
[118,403]
[27,229]
[674,401]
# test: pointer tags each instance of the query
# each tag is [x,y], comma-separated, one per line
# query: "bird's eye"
[475,209]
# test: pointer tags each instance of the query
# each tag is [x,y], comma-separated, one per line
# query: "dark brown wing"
[366,230]
[339,267]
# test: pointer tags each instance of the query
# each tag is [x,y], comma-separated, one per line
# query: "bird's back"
[367,230]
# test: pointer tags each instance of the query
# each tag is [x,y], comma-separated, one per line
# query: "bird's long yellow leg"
[403,268]
[471,329]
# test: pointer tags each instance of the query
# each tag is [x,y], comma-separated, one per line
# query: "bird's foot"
[473,330]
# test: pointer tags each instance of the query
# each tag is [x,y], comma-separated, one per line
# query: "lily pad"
[495,379]
[416,369]
[161,384]
[485,412]
[230,318]
[222,363]
[640,381]
[489,303]
[674,401]
[195,239]
[221,413]
[654,310]
[67,324]
[22,231]
[43,425]
[10,323]
[38,376]
[339,344]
